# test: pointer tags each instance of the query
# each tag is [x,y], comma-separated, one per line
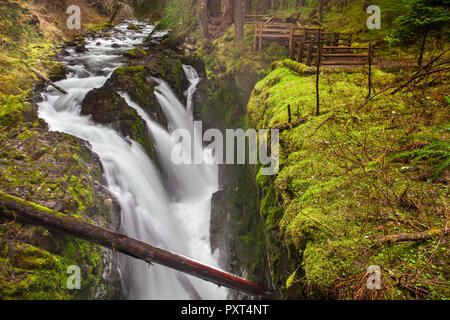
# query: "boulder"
[168,68]
[107,107]
[137,53]
[133,80]
[56,72]
[133,27]
[80,47]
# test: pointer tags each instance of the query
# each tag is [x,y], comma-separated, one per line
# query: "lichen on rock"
[133,80]
[107,107]
[60,172]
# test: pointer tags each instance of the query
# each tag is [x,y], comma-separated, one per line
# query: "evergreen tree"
[425,19]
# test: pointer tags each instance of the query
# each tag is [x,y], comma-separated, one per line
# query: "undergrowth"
[349,178]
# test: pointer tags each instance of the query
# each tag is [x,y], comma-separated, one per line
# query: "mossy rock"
[56,71]
[133,27]
[15,111]
[80,47]
[133,80]
[167,68]
[57,171]
[107,107]
[300,68]
[137,53]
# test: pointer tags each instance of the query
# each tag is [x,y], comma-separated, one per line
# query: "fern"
[436,152]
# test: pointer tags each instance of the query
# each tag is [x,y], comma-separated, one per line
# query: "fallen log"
[50,82]
[32,213]
[287,125]
[429,234]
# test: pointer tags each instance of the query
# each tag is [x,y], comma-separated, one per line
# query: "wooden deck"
[302,42]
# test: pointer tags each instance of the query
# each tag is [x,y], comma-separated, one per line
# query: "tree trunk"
[239,22]
[422,48]
[214,7]
[228,9]
[50,82]
[320,12]
[37,215]
[248,7]
[261,7]
[202,18]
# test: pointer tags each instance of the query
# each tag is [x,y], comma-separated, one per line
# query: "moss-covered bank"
[57,171]
[347,179]
[51,169]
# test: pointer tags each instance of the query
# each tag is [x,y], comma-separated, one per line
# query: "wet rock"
[133,80]
[107,107]
[56,71]
[133,27]
[219,226]
[116,45]
[80,47]
[168,68]
[137,53]
[64,53]
[57,171]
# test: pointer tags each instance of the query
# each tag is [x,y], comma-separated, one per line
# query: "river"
[175,218]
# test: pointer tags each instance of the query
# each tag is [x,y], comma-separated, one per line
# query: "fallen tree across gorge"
[32,213]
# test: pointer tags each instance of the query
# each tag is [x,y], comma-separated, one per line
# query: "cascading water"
[176,220]
[194,79]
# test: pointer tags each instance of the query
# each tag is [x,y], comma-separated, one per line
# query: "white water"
[194,79]
[178,219]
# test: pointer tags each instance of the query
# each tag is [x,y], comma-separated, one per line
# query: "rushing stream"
[175,218]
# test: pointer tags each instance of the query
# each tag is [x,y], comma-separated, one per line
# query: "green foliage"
[436,152]
[11,112]
[424,17]
[180,16]
[338,188]
[145,8]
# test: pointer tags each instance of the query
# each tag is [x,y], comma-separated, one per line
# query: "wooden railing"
[282,33]
[302,42]
[255,18]
[332,55]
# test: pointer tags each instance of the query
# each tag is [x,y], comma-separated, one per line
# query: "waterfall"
[175,218]
[194,79]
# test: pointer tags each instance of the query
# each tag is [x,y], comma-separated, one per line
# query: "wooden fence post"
[333,39]
[291,42]
[300,52]
[318,74]
[256,35]
[369,57]
[309,54]
[260,36]
[289,113]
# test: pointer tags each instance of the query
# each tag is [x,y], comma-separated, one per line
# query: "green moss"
[56,71]
[300,68]
[12,112]
[132,27]
[136,53]
[337,189]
